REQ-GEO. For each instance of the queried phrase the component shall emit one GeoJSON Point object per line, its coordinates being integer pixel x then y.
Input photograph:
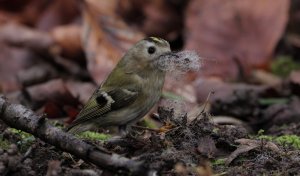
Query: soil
{"type": "Point", "coordinates": [182, 147]}
{"type": "Point", "coordinates": [54, 54]}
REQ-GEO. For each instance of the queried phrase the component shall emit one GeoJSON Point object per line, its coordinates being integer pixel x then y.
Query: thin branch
{"type": "Point", "coordinates": [21, 118]}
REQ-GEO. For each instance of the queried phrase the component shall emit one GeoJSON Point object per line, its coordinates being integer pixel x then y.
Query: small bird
{"type": "Point", "coordinates": [129, 92]}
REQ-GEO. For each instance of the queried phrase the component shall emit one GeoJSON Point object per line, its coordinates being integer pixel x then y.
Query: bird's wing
{"type": "Point", "coordinates": [105, 101]}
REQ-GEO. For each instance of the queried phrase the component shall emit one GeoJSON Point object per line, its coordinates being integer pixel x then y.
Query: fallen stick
{"type": "Point", "coordinates": [21, 118]}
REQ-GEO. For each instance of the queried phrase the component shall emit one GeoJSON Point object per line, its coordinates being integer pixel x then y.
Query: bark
{"type": "Point", "coordinates": [21, 118]}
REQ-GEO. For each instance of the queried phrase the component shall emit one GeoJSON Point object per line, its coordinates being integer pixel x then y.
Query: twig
{"type": "Point", "coordinates": [29, 151]}
{"type": "Point", "coordinates": [19, 117]}
{"type": "Point", "coordinates": [207, 101]}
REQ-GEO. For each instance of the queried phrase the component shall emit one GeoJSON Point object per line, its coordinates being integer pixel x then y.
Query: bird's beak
{"type": "Point", "coordinates": [173, 54]}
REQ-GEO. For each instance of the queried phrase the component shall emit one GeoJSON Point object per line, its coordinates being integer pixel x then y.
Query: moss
{"type": "Point", "coordinates": [94, 136]}
{"type": "Point", "coordinates": [287, 140]}
{"type": "Point", "coordinates": [272, 101]}
{"type": "Point", "coordinates": [260, 132]}
{"type": "Point", "coordinates": [148, 123]}
{"type": "Point", "coordinates": [266, 137]}
{"type": "Point", "coordinates": [260, 135]}
{"type": "Point", "coordinates": [21, 134]}
{"type": "Point", "coordinates": [4, 144]}
{"type": "Point", "coordinates": [216, 130]}
{"type": "Point", "coordinates": [26, 139]}
{"type": "Point", "coordinates": [57, 124]}
{"type": "Point", "coordinates": [284, 65]}
{"type": "Point", "coordinates": [219, 162]}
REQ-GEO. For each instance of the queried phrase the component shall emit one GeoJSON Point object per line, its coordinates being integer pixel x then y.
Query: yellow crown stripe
{"type": "Point", "coordinates": [157, 39]}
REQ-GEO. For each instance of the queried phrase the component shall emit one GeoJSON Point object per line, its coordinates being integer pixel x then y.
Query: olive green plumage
{"type": "Point", "coordinates": [129, 92]}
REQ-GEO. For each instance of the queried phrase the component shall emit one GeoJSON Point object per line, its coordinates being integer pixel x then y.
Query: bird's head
{"type": "Point", "coordinates": [144, 52]}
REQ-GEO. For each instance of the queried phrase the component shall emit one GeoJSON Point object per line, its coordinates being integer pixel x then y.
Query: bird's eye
{"type": "Point", "coordinates": [151, 50]}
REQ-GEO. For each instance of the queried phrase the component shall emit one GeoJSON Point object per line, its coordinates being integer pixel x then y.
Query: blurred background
{"type": "Point", "coordinates": [54, 53]}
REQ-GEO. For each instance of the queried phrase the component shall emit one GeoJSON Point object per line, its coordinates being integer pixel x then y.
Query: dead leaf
{"type": "Point", "coordinates": [13, 5]}
{"type": "Point", "coordinates": [20, 11]}
{"type": "Point", "coordinates": [279, 114]}
{"type": "Point", "coordinates": [105, 37]}
{"type": "Point", "coordinates": [82, 90]}
{"type": "Point", "coordinates": [36, 74]}
{"type": "Point", "coordinates": [204, 170]}
{"type": "Point", "coordinates": [54, 168]}
{"type": "Point", "coordinates": [58, 13]}
{"type": "Point", "coordinates": [180, 169]}
{"type": "Point", "coordinates": [266, 78]}
{"type": "Point", "coordinates": [294, 82]}
{"type": "Point", "coordinates": [13, 60]}
{"type": "Point", "coordinates": [222, 90]}
{"type": "Point", "coordinates": [227, 120]}
{"type": "Point", "coordinates": [6, 17]}
{"type": "Point", "coordinates": [19, 35]}
{"type": "Point", "coordinates": [161, 19]}
{"type": "Point", "coordinates": [166, 127]}
{"type": "Point", "coordinates": [52, 110]}
{"type": "Point", "coordinates": [247, 145]}
{"type": "Point", "coordinates": [55, 90]}
{"type": "Point", "coordinates": [68, 38]}
{"type": "Point", "coordinates": [155, 17]}
{"type": "Point", "coordinates": [207, 147]}
{"type": "Point", "coordinates": [236, 33]}
{"type": "Point", "coordinates": [293, 39]}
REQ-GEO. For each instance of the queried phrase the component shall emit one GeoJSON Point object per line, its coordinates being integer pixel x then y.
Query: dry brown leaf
{"type": "Point", "coordinates": [54, 168]}
{"type": "Point", "coordinates": [37, 73]}
{"type": "Point", "coordinates": [55, 97]}
{"type": "Point", "coordinates": [12, 60]}
{"type": "Point", "coordinates": [236, 33]}
{"type": "Point", "coordinates": [24, 12]}
{"type": "Point", "coordinates": [265, 78]}
{"type": "Point", "coordinates": [221, 89]}
{"type": "Point", "coordinates": [54, 90]}
{"type": "Point", "coordinates": [247, 145]}
{"type": "Point", "coordinates": [294, 82]}
{"type": "Point", "coordinates": [162, 19]}
{"type": "Point", "coordinates": [166, 127]}
{"type": "Point", "coordinates": [207, 147]}
{"type": "Point", "coordinates": [68, 38]}
{"type": "Point", "coordinates": [204, 170]}
{"type": "Point", "coordinates": [13, 5]}
{"type": "Point", "coordinates": [278, 114]}
{"type": "Point", "coordinates": [295, 77]}
{"type": "Point", "coordinates": [58, 13]}
{"type": "Point", "coordinates": [6, 17]}
{"type": "Point", "coordinates": [154, 17]}
{"type": "Point", "coordinates": [105, 37]}
{"type": "Point", "coordinates": [19, 35]}
{"type": "Point", "coordinates": [82, 90]}
{"type": "Point", "coordinates": [180, 169]}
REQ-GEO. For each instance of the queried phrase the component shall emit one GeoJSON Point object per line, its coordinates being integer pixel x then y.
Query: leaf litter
{"type": "Point", "coordinates": [181, 145]}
